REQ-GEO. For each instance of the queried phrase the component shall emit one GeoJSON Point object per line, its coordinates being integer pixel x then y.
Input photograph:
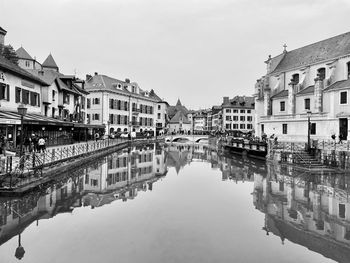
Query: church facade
{"type": "Point", "coordinates": [306, 90]}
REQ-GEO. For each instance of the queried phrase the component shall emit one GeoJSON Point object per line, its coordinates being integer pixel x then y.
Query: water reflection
{"type": "Point", "coordinates": [312, 210]}
{"type": "Point", "coordinates": [306, 209]}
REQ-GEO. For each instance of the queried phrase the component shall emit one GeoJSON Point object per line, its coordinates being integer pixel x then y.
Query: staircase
{"type": "Point", "coordinates": [307, 161]}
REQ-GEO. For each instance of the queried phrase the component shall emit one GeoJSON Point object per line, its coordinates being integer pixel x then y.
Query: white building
{"type": "Point", "coordinates": [313, 79]}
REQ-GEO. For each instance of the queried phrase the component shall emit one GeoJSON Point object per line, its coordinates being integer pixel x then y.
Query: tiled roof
{"type": "Point", "coordinates": [339, 85]}
{"type": "Point", "coordinates": [240, 102]}
{"type": "Point", "coordinates": [47, 75]}
{"type": "Point", "coordinates": [22, 53]}
{"type": "Point", "coordinates": [50, 62]}
{"type": "Point", "coordinates": [307, 90]}
{"type": "Point", "coordinates": [314, 53]}
{"type": "Point", "coordinates": [13, 68]}
{"type": "Point", "coordinates": [275, 61]}
{"type": "Point", "coordinates": [283, 93]}
{"type": "Point", "coordinates": [178, 116]}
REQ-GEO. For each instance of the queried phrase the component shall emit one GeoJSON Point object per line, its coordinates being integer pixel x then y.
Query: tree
{"type": "Point", "coordinates": [9, 53]}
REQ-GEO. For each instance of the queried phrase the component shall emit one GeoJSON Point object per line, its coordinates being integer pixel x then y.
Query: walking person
{"type": "Point", "coordinates": [97, 136]}
{"type": "Point", "coordinates": [41, 144]}
{"type": "Point", "coordinates": [340, 139]}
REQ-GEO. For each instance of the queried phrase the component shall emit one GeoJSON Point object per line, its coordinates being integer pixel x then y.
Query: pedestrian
{"type": "Point", "coordinates": [340, 139]}
{"type": "Point", "coordinates": [41, 144]}
{"type": "Point", "coordinates": [35, 143]}
{"type": "Point", "coordinates": [27, 144]}
{"type": "Point", "coordinates": [97, 136]}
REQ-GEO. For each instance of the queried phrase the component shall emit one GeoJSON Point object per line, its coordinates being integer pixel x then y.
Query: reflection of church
{"type": "Point", "coordinates": [117, 176]}
{"type": "Point", "coordinates": [310, 210]}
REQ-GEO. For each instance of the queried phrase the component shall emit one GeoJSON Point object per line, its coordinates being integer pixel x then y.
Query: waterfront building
{"type": "Point", "coordinates": [308, 82]}
{"type": "Point", "coordinates": [122, 106]}
{"type": "Point", "coordinates": [162, 117]}
{"type": "Point", "coordinates": [238, 114]}
{"type": "Point", "coordinates": [200, 121]}
{"type": "Point", "coordinates": [216, 118]}
{"type": "Point", "coordinates": [180, 119]}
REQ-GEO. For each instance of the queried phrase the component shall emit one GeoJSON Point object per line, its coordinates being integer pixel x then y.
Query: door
{"type": "Point", "coordinates": [343, 128]}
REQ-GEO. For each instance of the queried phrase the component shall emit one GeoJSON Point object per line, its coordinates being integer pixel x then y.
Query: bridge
{"type": "Point", "coordinates": [185, 138]}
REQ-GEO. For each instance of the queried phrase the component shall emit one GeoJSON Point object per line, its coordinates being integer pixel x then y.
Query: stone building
{"type": "Point", "coordinates": [122, 106]}
{"type": "Point", "coordinates": [312, 80]}
{"type": "Point", "coordinates": [238, 114]}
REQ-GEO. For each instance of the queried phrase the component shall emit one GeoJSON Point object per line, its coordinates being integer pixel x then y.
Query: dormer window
{"type": "Point", "coordinates": [321, 73]}
{"type": "Point", "coordinates": [295, 79]}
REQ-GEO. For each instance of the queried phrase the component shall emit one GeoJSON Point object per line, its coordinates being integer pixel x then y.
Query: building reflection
{"type": "Point", "coordinates": [312, 210]}
{"type": "Point", "coordinates": [118, 176]}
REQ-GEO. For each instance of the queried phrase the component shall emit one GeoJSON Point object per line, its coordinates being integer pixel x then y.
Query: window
{"type": "Point", "coordinates": [228, 111]}
{"type": "Point", "coordinates": [282, 106]}
{"type": "Point", "coordinates": [249, 118]}
{"type": "Point", "coordinates": [158, 116]}
{"type": "Point", "coordinates": [66, 98]}
{"type": "Point", "coordinates": [228, 118]}
{"type": "Point", "coordinates": [96, 101]}
{"type": "Point", "coordinates": [242, 118]}
{"type": "Point", "coordinates": [235, 111]}
{"type": "Point", "coordinates": [242, 111]}
{"type": "Point", "coordinates": [25, 96]}
{"type": "Point", "coordinates": [295, 79]}
{"type": "Point", "coordinates": [348, 66]}
{"type": "Point", "coordinates": [281, 186]}
{"type": "Point", "coordinates": [321, 73]}
{"type": "Point", "coordinates": [158, 107]}
{"type": "Point", "coordinates": [249, 111]}
{"type": "Point", "coordinates": [53, 95]}
{"type": "Point", "coordinates": [27, 64]}
{"type": "Point", "coordinates": [342, 210]}
{"type": "Point", "coordinates": [95, 116]}
{"type": "Point", "coordinates": [234, 126]}
{"type": "Point", "coordinates": [307, 104]}
{"type": "Point", "coordinates": [88, 103]}
{"type": "Point", "coordinates": [4, 92]}
{"type": "Point", "coordinates": [18, 94]}
{"type": "Point", "coordinates": [284, 128]}
{"type": "Point", "coordinates": [262, 128]}
{"type": "Point", "coordinates": [313, 128]}
{"type": "Point", "coordinates": [249, 126]}
{"type": "Point", "coordinates": [235, 118]}
{"type": "Point", "coordinates": [228, 126]}
{"type": "Point", "coordinates": [343, 97]}
{"type": "Point", "coordinates": [242, 126]}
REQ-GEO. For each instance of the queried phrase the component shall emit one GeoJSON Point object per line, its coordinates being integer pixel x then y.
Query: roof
{"type": "Point", "coordinates": [339, 85]}
{"type": "Point", "coordinates": [314, 53]}
{"type": "Point", "coordinates": [49, 62]}
{"type": "Point", "coordinates": [307, 90]}
{"type": "Point", "coordinates": [240, 102]}
{"type": "Point", "coordinates": [178, 117]}
{"type": "Point", "coordinates": [281, 94]}
{"type": "Point", "coordinates": [47, 75]}
{"type": "Point", "coordinates": [22, 53]}
{"type": "Point", "coordinates": [15, 69]}
{"type": "Point", "coordinates": [3, 31]}
{"type": "Point", "coordinates": [275, 61]}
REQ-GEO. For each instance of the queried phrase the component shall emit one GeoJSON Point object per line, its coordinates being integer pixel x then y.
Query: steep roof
{"type": "Point", "coordinates": [178, 103]}
{"type": "Point", "coordinates": [240, 102]}
{"type": "Point", "coordinates": [178, 117]}
{"type": "Point", "coordinates": [314, 53]}
{"type": "Point", "coordinates": [50, 62]}
{"type": "Point", "coordinates": [22, 53]}
{"type": "Point", "coordinates": [15, 69]}
{"type": "Point", "coordinates": [46, 75]}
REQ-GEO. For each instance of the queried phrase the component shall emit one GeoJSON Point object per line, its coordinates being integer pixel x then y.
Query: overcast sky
{"type": "Point", "coordinates": [198, 51]}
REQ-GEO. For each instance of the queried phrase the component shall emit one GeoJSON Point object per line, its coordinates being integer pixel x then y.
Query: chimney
{"type": "Point", "coordinates": [2, 36]}
{"type": "Point", "coordinates": [88, 76]}
{"type": "Point", "coordinates": [226, 100]}
{"type": "Point", "coordinates": [127, 80]}
{"type": "Point", "coordinates": [96, 73]}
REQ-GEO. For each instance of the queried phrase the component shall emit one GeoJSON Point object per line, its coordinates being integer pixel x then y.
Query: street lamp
{"type": "Point", "coordinates": [22, 110]}
{"type": "Point", "coordinates": [308, 113]}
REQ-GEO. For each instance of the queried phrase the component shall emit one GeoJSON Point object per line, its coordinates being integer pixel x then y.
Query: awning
{"type": "Point", "coordinates": [89, 126]}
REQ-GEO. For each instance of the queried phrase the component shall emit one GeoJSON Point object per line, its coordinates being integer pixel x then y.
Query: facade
{"type": "Point", "coordinates": [122, 106]}
{"type": "Point", "coordinates": [161, 116]}
{"type": "Point", "coordinates": [238, 114]}
{"type": "Point", "coordinates": [216, 118]}
{"type": "Point", "coordinates": [180, 119]}
{"type": "Point", "coordinates": [309, 81]}
{"type": "Point", "coordinates": [201, 121]}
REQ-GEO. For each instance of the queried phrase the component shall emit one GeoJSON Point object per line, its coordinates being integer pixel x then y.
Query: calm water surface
{"type": "Point", "coordinates": [179, 204]}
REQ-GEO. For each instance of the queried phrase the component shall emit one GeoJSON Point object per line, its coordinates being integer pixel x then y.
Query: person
{"type": "Point", "coordinates": [97, 136]}
{"type": "Point", "coordinates": [340, 139]}
{"type": "Point", "coordinates": [41, 144]}
{"type": "Point", "coordinates": [27, 144]}
{"type": "Point", "coordinates": [35, 143]}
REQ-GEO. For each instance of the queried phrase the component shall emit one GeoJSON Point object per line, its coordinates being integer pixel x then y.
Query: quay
{"type": "Point", "coordinates": [25, 174]}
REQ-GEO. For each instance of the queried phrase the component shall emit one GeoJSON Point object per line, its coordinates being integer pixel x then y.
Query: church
{"type": "Point", "coordinates": [305, 92]}
{"type": "Point", "coordinates": [180, 119]}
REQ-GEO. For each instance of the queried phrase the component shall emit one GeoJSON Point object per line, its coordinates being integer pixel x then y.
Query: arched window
{"type": "Point", "coordinates": [321, 73]}
{"type": "Point", "coordinates": [295, 79]}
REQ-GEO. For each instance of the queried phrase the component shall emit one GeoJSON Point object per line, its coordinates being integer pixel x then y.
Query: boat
{"type": "Point", "coordinates": [256, 149]}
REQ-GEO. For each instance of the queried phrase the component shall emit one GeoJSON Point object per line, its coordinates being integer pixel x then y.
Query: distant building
{"type": "Point", "coordinates": [238, 114]}
{"type": "Point", "coordinates": [180, 119]}
{"type": "Point", "coordinates": [216, 118]}
{"type": "Point", "coordinates": [314, 80]}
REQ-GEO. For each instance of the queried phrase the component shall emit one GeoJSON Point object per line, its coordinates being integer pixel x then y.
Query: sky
{"type": "Point", "coordinates": [195, 50]}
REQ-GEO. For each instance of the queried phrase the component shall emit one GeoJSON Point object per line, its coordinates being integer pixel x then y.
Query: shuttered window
{"type": "Point", "coordinates": [18, 94]}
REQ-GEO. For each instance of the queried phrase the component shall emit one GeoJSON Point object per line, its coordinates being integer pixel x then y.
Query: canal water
{"type": "Point", "coordinates": [179, 203]}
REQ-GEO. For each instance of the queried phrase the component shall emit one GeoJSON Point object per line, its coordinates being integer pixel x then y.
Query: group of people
{"type": "Point", "coordinates": [34, 143]}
